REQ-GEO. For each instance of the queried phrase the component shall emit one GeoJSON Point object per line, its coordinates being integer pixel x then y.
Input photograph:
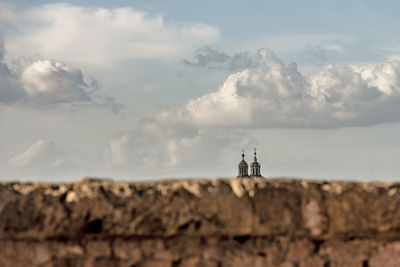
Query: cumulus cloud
{"type": "Point", "coordinates": [273, 94]}
{"type": "Point", "coordinates": [47, 83]}
{"type": "Point", "coordinates": [240, 60]}
{"type": "Point", "coordinates": [101, 36]}
{"type": "Point", "coordinates": [150, 152]}
{"type": "Point", "coordinates": [210, 58]}
{"type": "Point", "coordinates": [40, 154]}
{"type": "Point", "coordinates": [270, 94]}
{"type": "Point", "coordinates": [207, 148]}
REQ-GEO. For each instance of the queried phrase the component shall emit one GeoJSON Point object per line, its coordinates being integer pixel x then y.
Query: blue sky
{"type": "Point", "coordinates": [370, 25]}
{"type": "Point", "coordinates": [153, 89]}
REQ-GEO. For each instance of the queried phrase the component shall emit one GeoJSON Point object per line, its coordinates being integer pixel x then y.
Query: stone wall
{"type": "Point", "coordinates": [218, 222]}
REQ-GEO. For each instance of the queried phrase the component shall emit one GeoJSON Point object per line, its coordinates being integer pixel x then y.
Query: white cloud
{"type": "Point", "coordinates": [273, 94]}
{"type": "Point", "coordinates": [393, 57]}
{"type": "Point", "coordinates": [154, 153]}
{"type": "Point", "coordinates": [100, 35]}
{"type": "Point", "coordinates": [207, 148]}
{"type": "Point", "coordinates": [50, 82]}
{"type": "Point", "coordinates": [40, 154]}
{"type": "Point", "coordinates": [135, 150]}
{"type": "Point", "coordinates": [47, 83]}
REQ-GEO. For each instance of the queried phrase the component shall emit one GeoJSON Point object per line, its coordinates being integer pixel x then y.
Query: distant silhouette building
{"type": "Point", "coordinates": [243, 168]}
{"type": "Point", "coordinates": [255, 166]}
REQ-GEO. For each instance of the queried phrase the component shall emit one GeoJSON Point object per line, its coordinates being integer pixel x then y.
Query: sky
{"type": "Point", "coordinates": [142, 90]}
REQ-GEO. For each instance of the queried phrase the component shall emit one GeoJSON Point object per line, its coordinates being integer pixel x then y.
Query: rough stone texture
{"type": "Point", "coordinates": [218, 222]}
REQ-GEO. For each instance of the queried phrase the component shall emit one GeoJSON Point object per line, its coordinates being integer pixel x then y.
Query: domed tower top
{"type": "Point", "coordinates": [255, 166]}
{"type": "Point", "coordinates": [243, 168]}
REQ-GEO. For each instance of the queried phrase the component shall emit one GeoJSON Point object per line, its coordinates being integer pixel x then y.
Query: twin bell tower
{"type": "Point", "coordinates": [255, 168]}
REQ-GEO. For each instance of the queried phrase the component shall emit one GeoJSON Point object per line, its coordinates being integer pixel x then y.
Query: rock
{"type": "Point", "coordinates": [217, 222]}
{"type": "Point", "coordinates": [98, 249]}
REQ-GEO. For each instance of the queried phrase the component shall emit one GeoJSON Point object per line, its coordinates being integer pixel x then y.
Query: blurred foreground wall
{"type": "Point", "coordinates": [219, 222]}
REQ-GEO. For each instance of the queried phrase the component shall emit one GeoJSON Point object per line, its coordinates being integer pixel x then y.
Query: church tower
{"type": "Point", "coordinates": [255, 166]}
{"type": "Point", "coordinates": [243, 168]}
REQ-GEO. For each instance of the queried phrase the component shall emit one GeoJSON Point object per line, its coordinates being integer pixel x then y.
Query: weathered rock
{"type": "Point", "coordinates": [219, 222]}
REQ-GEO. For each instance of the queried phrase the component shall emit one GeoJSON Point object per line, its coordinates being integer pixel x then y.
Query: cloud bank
{"type": "Point", "coordinates": [275, 95]}
{"type": "Point", "coordinates": [47, 83]}
{"type": "Point", "coordinates": [101, 36]}
{"type": "Point", "coordinates": [147, 153]}
{"type": "Point", "coordinates": [210, 130]}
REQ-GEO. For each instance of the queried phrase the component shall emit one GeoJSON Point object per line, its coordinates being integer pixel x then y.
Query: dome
{"type": "Point", "coordinates": [243, 168]}
{"type": "Point", "coordinates": [255, 164]}
{"type": "Point", "coordinates": [243, 163]}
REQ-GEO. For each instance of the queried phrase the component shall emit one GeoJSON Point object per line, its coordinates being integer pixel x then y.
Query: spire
{"type": "Point", "coordinates": [255, 154]}
{"type": "Point", "coordinates": [242, 154]}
